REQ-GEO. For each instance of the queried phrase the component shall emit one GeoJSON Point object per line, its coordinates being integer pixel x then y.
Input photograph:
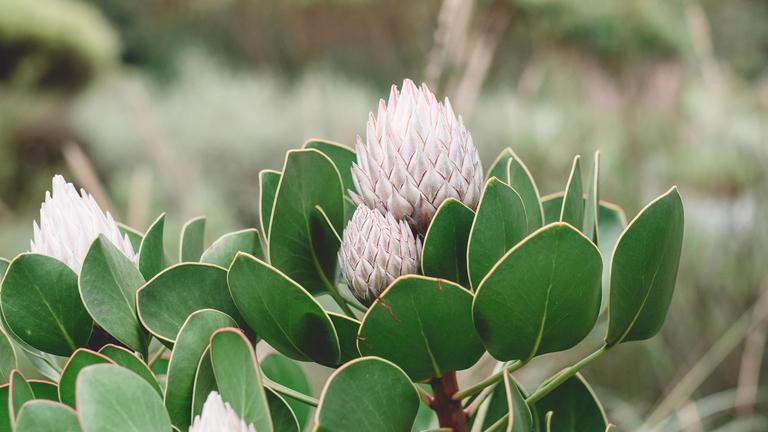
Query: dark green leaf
{"type": "Point", "coordinates": [79, 361]}
{"type": "Point", "coordinates": [7, 358]}
{"type": "Point", "coordinates": [151, 252]}
{"type": "Point", "coordinates": [190, 346]}
{"type": "Point", "coordinates": [592, 208]}
{"type": "Point", "coordinates": [205, 383]}
{"type": "Point", "coordinates": [44, 389]}
{"type": "Point", "coordinates": [122, 357]}
{"type": "Point", "coordinates": [574, 406]}
{"type": "Point", "coordinates": [367, 394]}
{"type": "Point", "coordinates": [108, 283]}
{"type": "Point", "coordinates": [5, 412]}
{"type": "Point", "coordinates": [572, 211]}
{"type": "Point", "coordinates": [42, 306]}
{"type": "Point", "coordinates": [342, 157]}
{"type": "Point", "coordinates": [44, 415]}
{"type": "Point", "coordinates": [499, 166]}
{"type": "Point", "coordinates": [281, 312]}
{"type": "Point", "coordinates": [346, 330]}
{"type": "Point", "coordinates": [238, 377]}
{"type": "Point", "coordinates": [268, 181]}
{"type": "Point", "coordinates": [192, 240]}
{"type": "Point", "coordinates": [644, 270]}
{"type": "Point", "coordinates": [166, 301]}
{"type": "Point", "coordinates": [521, 180]}
{"type": "Point", "coordinates": [223, 250]}
{"type": "Point", "coordinates": [309, 179]}
{"type": "Point", "coordinates": [19, 392]}
{"type": "Point", "coordinates": [407, 325]}
{"type": "Point", "coordinates": [283, 418]}
{"type": "Point", "coordinates": [444, 254]}
{"type": "Point", "coordinates": [110, 398]}
{"type": "Point", "coordinates": [519, 414]}
{"type": "Point", "coordinates": [543, 296]}
{"type": "Point", "coordinates": [499, 225]}
{"type": "Point", "coordinates": [285, 371]}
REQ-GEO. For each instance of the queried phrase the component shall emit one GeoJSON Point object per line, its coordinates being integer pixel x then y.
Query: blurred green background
{"type": "Point", "coordinates": [176, 105]}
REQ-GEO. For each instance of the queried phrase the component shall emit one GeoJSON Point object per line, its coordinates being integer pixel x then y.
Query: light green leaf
{"type": "Point", "coordinates": [342, 157]}
{"type": "Point", "coordinates": [7, 358]}
{"type": "Point", "coordinates": [574, 406]}
{"type": "Point", "coordinates": [122, 357]}
{"type": "Point", "coordinates": [499, 166]}
{"type": "Point", "coordinates": [520, 415]}
{"type": "Point", "coordinates": [192, 240]}
{"type": "Point", "coordinates": [224, 249]}
{"type": "Point", "coordinates": [44, 415]}
{"type": "Point", "coordinates": [592, 209]}
{"type": "Point", "coordinates": [77, 362]}
{"type": "Point", "coordinates": [19, 393]}
{"type": "Point", "coordinates": [572, 211]}
{"type": "Point", "coordinates": [521, 180]}
{"type": "Point", "coordinates": [151, 251]}
{"type": "Point", "coordinates": [268, 181]}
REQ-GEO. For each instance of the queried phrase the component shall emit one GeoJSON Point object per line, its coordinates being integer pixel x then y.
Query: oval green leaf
{"type": "Point", "coordinates": [268, 181]}
{"type": "Point", "coordinates": [346, 329]}
{"type": "Point", "coordinates": [499, 166]}
{"type": "Point", "coordinates": [151, 251]}
{"type": "Point", "coordinates": [407, 325]}
{"type": "Point", "coordinates": [367, 394]}
{"type": "Point", "coordinates": [283, 418]}
{"type": "Point", "coordinates": [205, 383]}
{"type": "Point", "coordinates": [520, 417]}
{"type": "Point", "coordinates": [444, 253]}
{"type": "Point", "coordinates": [192, 240]}
{"type": "Point", "coordinates": [111, 398]}
{"type": "Point", "coordinates": [574, 408]}
{"type": "Point", "coordinates": [543, 296]}
{"type": "Point", "coordinates": [281, 312]}
{"type": "Point", "coordinates": [190, 346]}
{"type": "Point", "coordinates": [108, 283]}
{"type": "Point", "coordinates": [342, 157]}
{"type": "Point", "coordinates": [43, 389]}
{"type": "Point", "coordinates": [521, 180]}
{"type": "Point", "coordinates": [309, 180]}
{"type": "Point", "coordinates": [42, 306]}
{"type": "Point", "coordinates": [224, 249]}
{"type": "Point", "coordinates": [591, 226]}
{"type": "Point", "coordinates": [7, 358]}
{"type": "Point", "coordinates": [44, 415]}
{"type": "Point", "coordinates": [238, 377]}
{"type": "Point", "coordinates": [81, 359]}
{"type": "Point", "coordinates": [499, 225]}
{"type": "Point", "coordinates": [165, 302]}
{"type": "Point", "coordinates": [286, 372]}
{"type": "Point", "coordinates": [19, 392]}
{"type": "Point", "coordinates": [5, 408]}
{"type": "Point", "coordinates": [122, 357]}
{"type": "Point", "coordinates": [644, 270]}
{"type": "Point", "coordinates": [572, 211]}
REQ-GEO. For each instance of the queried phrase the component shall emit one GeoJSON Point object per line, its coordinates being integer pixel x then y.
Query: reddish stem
{"type": "Point", "coordinates": [449, 412]}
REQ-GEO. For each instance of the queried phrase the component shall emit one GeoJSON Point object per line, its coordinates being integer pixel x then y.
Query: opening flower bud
{"type": "Point", "coordinates": [416, 155]}
{"type": "Point", "coordinates": [376, 250]}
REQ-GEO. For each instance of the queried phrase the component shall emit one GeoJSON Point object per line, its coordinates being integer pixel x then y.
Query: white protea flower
{"type": "Point", "coordinates": [416, 155]}
{"type": "Point", "coordinates": [70, 222]}
{"type": "Point", "coordinates": [375, 250]}
{"type": "Point", "coordinates": [218, 416]}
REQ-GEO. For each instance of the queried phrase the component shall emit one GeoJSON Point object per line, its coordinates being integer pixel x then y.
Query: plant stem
{"type": "Point", "coordinates": [493, 379]}
{"type": "Point", "coordinates": [291, 393]}
{"type": "Point", "coordinates": [334, 291]}
{"type": "Point", "coordinates": [450, 413]}
{"type": "Point", "coordinates": [563, 376]}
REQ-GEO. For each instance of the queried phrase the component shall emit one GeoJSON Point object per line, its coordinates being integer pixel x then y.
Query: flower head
{"type": "Point", "coordinates": [416, 155]}
{"type": "Point", "coordinates": [218, 416]}
{"type": "Point", "coordinates": [70, 222]}
{"type": "Point", "coordinates": [375, 250]}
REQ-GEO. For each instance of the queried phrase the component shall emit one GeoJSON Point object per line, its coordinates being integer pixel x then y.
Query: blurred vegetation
{"type": "Point", "coordinates": [178, 104]}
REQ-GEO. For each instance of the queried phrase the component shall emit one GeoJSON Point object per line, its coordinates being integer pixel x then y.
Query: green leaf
{"type": "Point", "coordinates": [192, 240]}
{"type": "Point", "coordinates": [497, 406]}
{"type": "Point", "coordinates": [5, 408]}
{"type": "Point", "coordinates": [444, 254]}
{"type": "Point", "coordinates": [644, 270]}
{"type": "Point", "coordinates": [283, 418]}
{"type": "Point", "coordinates": [367, 394]}
{"type": "Point", "coordinates": [166, 301]}
{"type": "Point", "coordinates": [7, 358]}
{"type": "Point", "coordinates": [521, 180]}
{"type": "Point", "coordinates": [519, 414]}
{"type": "Point", "coordinates": [342, 157]}
{"type": "Point", "coordinates": [205, 383]}
{"type": "Point", "coordinates": [79, 361]}
{"type": "Point", "coordinates": [499, 166]}
{"type": "Point", "coordinates": [499, 225]}
{"type": "Point", "coordinates": [309, 179]}
{"type": "Point", "coordinates": [612, 222]}
{"type": "Point", "coordinates": [134, 236]}
{"type": "Point", "coordinates": [572, 211]}
{"type": "Point", "coordinates": [542, 296]}
{"type": "Point", "coordinates": [281, 312]}
{"type": "Point", "coordinates": [574, 406]}
{"type": "Point", "coordinates": [19, 392]}
{"type": "Point", "coordinates": [223, 250]}
{"type": "Point", "coordinates": [110, 398]}
{"type": "Point", "coordinates": [592, 208]}
{"type": "Point", "coordinates": [122, 357]}
{"type": "Point", "coordinates": [42, 306]}
{"type": "Point", "coordinates": [285, 371]}
{"type": "Point", "coordinates": [44, 389]}
{"type": "Point", "coordinates": [346, 329]}
{"type": "Point", "coordinates": [44, 415]}
{"type": "Point", "coordinates": [238, 377]}
{"type": "Point", "coordinates": [151, 251]}
{"type": "Point", "coordinates": [108, 283]}
{"type": "Point", "coordinates": [190, 346]}
{"type": "Point", "coordinates": [268, 181]}
{"type": "Point", "coordinates": [408, 325]}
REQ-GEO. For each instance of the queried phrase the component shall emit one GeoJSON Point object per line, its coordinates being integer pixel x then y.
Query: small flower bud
{"type": "Point", "coordinates": [376, 250]}
{"type": "Point", "coordinates": [218, 416]}
{"type": "Point", "coordinates": [416, 155]}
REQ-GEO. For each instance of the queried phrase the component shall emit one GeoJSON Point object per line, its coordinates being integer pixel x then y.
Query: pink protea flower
{"type": "Point", "coordinates": [375, 250]}
{"type": "Point", "coordinates": [416, 155]}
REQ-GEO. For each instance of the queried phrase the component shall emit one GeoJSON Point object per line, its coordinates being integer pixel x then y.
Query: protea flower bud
{"type": "Point", "coordinates": [218, 416]}
{"type": "Point", "coordinates": [70, 222]}
{"type": "Point", "coordinates": [375, 250]}
{"type": "Point", "coordinates": [417, 154]}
